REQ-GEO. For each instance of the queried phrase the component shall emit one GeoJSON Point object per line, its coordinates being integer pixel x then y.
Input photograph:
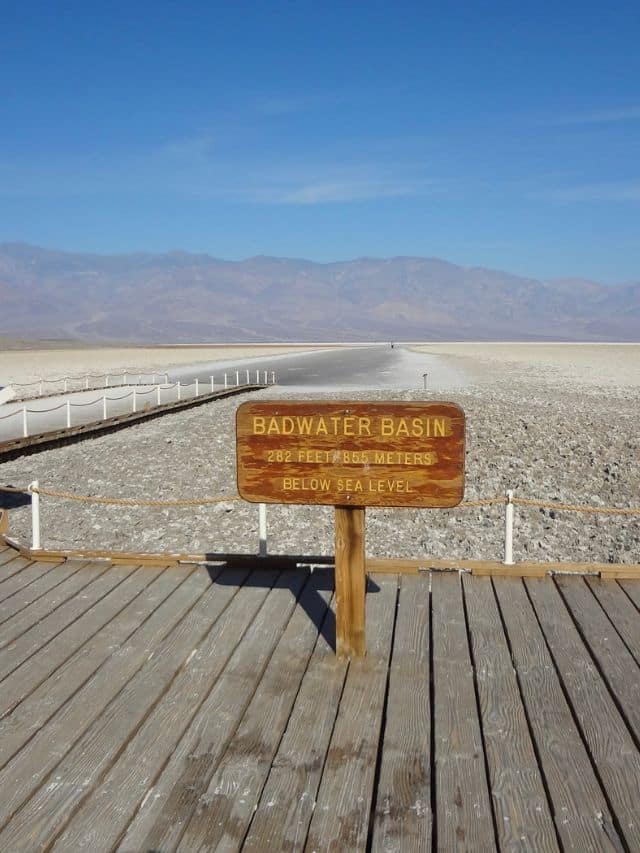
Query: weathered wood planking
{"type": "Point", "coordinates": [621, 611]}
{"type": "Point", "coordinates": [602, 727]}
{"type": "Point", "coordinates": [403, 819]}
{"type": "Point", "coordinates": [346, 453]}
{"type": "Point", "coordinates": [616, 663]}
{"type": "Point", "coordinates": [463, 805]}
{"type": "Point", "coordinates": [46, 579]}
{"type": "Point", "coordinates": [35, 626]}
{"type": "Point", "coordinates": [21, 573]}
{"type": "Point", "coordinates": [26, 770]}
{"type": "Point", "coordinates": [342, 812]}
{"type": "Point", "coordinates": [523, 816]}
{"type": "Point", "coordinates": [64, 596]}
{"type": "Point", "coordinates": [222, 818]}
{"type": "Point", "coordinates": [103, 817]}
{"type": "Point", "coordinates": [282, 819]}
{"type": "Point", "coordinates": [582, 817]}
{"type": "Point", "coordinates": [166, 811]}
{"type": "Point", "coordinates": [48, 810]}
{"type": "Point", "coordinates": [101, 626]}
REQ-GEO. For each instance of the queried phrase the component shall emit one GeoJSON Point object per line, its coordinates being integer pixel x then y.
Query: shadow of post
{"type": "Point", "coordinates": [225, 569]}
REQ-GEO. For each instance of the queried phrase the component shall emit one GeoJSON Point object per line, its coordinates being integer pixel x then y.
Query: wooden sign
{"type": "Point", "coordinates": [351, 453]}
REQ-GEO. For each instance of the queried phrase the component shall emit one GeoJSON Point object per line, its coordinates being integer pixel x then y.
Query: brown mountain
{"type": "Point", "coordinates": [180, 297]}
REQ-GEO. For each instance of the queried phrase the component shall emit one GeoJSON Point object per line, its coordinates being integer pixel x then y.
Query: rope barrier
{"type": "Point", "coordinates": [577, 507]}
{"type": "Point", "coordinates": [480, 502]}
{"type": "Point", "coordinates": [136, 501]}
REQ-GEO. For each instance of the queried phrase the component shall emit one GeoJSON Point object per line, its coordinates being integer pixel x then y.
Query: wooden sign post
{"type": "Point", "coordinates": [351, 455]}
{"type": "Point", "coordinates": [351, 582]}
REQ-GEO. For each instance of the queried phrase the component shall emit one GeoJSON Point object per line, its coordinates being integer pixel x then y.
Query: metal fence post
{"type": "Point", "coordinates": [35, 515]}
{"type": "Point", "coordinates": [225, 380]}
{"type": "Point", "coordinates": [158, 392]}
{"type": "Point", "coordinates": [196, 386]}
{"type": "Point", "coordinates": [262, 526]}
{"type": "Point", "coordinates": [104, 407]}
{"type": "Point", "coordinates": [68, 414]}
{"type": "Point", "coordinates": [248, 380]}
{"type": "Point", "coordinates": [212, 384]}
{"type": "Point", "coordinates": [237, 377]}
{"type": "Point", "coordinates": [25, 430]}
{"type": "Point", "coordinates": [508, 530]}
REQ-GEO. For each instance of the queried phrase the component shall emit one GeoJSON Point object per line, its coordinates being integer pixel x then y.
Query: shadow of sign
{"type": "Point", "coordinates": [230, 569]}
{"type": "Point", "coordinates": [14, 500]}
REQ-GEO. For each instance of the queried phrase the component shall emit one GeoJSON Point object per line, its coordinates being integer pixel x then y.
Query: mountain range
{"type": "Point", "coordinates": [178, 297]}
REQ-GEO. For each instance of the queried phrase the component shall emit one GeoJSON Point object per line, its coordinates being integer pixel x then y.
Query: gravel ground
{"type": "Point", "coordinates": [563, 443]}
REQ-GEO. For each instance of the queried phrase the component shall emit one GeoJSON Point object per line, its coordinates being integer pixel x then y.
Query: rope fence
{"type": "Point", "coordinates": [35, 490]}
{"type": "Point", "coordinates": [132, 375]}
{"type": "Point", "coordinates": [265, 377]}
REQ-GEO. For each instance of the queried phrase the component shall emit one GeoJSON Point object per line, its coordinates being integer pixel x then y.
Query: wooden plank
{"type": "Point", "coordinates": [222, 818]}
{"type": "Point", "coordinates": [403, 819]}
{"type": "Point", "coordinates": [615, 661]}
{"type": "Point", "coordinates": [283, 815]}
{"type": "Point", "coordinates": [46, 814]}
{"type": "Point", "coordinates": [523, 817]}
{"type": "Point", "coordinates": [463, 805]}
{"type": "Point", "coordinates": [632, 590]}
{"type": "Point", "coordinates": [582, 817]}
{"type": "Point", "coordinates": [48, 810]}
{"type": "Point", "coordinates": [168, 806]}
{"type": "Point", "coordinates": [603, 729]}
{"type": "Point", "coordinates": [11, 568]}
{"type": "Point", "coordinates": [351, 581]}
{"type": "Point", "coordinates": [37, 692]}
{"type": "Point", "coordinates": [44, 582]}
{"type": "Point", "coordinates": [24, 576]}
{"type": "Point", "coordinates": [28, 768]}
{"type": "Point", "coordinates": [621, 611]}
{"type": "Point", "coordinates": [127, 585]}
{"type": "Point", "coordinates": [343, 808]}
{"type": "Point", "coordinates": [103, 818]}
{"type": "Point", "coordinates": [8, 553]}
{"type": "Point", "coordinates": [26, 634]}
{"type": "Point", "coordinates": [527, 568]}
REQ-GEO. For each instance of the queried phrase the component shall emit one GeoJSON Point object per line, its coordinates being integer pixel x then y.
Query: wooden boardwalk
{"type": "Point", "coordinates": [202, 708]}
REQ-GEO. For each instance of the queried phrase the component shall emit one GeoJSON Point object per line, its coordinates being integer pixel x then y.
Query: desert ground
{"type": "Point", "coordinates": [552, 422]}
{"type": "Point", "coordinates": [28, 362]}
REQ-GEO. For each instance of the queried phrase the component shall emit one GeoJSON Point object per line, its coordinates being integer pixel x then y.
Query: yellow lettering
{"type": "Point", "coordinates": [259, 426]}
{"type": "Point", "coordinates": [417, 429]}
{"type": "Point", "coordinates": [386, 426]}
{"type": "Point", "coordinates": [364, 426]}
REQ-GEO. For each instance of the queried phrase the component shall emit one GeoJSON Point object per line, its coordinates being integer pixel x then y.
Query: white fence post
{"type": "Point", "coordinates": [106, 380]}
{"type": "Point", "coordinates": [166, 379]}
{"type": "Point", "coordinates": [68, 414]}
{"type": "Point", "coordinates": [237, 377]}
{"type": "Point", "coordinates": [212, 383]}
{"type": "Point", "coordinates": [124, 378]}
{"type": "Point", "coordinates": [41, 388]}
{"type": "Point", "coordinates": [66, 384]}
{"type": "Point", "coordinates": [104, 407]}
{"type": "Point", "coordinates": [225, 380]}
{"type": "Point", "coordinates": [197, 386]}
{"type": "Point", "coordinates": [35, 515]}
{"type": "Point", "coordinates": [25, 430]}
{"type": "Point", "coordinates": [158, 392]}
{"type": "Point", "coordinates": [248, 380]}
{"type": "Point", "coordinates": [262, 526]}
{"type": "Point", "coordinates": [508, 530]}
{"type": "Point", "coordinates": [178, 389]}
{"type": "Point", "coordinates": [134, 399]}
{"type": "Point", "coordinates": [273, 377]}
{"type": "Point", "coordinates": [86, 381]}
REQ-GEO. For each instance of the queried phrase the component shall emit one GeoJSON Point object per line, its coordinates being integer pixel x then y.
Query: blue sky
{"type": "Point", "coordinates": [496, 134]}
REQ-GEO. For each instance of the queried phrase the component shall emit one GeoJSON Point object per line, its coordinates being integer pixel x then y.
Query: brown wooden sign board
{"type": "Point", "coordinates": [344, 453]}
